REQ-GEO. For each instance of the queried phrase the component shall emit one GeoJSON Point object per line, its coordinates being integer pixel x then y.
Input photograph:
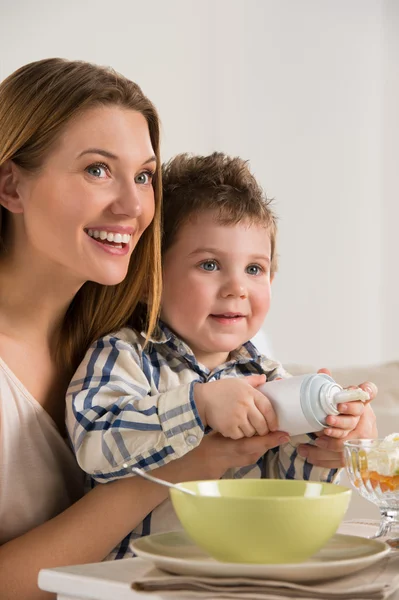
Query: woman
{"type": "Point", "coordinates": [79, 148]}
{"type": "Point", "coordinates": [79, 245]}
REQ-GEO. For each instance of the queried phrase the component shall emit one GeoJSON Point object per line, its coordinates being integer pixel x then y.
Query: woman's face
{"type": "Point", "coordinates": [86, 208]}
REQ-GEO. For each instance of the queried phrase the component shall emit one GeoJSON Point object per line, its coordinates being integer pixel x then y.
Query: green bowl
{"type": "Point", "coordinates": [261, 520]}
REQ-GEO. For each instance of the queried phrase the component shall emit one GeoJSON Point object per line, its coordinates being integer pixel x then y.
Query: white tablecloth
{"type": "Point", "coordinates": [112, 580]}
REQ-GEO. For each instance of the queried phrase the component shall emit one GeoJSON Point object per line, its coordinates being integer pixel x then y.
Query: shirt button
{"type": "Point", "coordinates": [191, 439]}
{"type": "Point", "coordinates": [181, 349]}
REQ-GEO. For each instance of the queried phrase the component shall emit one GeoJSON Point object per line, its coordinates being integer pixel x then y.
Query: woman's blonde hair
{"type": "Point", "coordinates": [36, 103]}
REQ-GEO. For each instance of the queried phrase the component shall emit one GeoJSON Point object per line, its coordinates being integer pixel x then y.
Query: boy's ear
{"type": "Point", "coordinates": [9, 196]}
{"type": "Point", "coordinates": [272, 277]}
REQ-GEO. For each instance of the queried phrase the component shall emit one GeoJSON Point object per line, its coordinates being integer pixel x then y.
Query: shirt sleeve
{"type": "Point", "coordinates": [117, 419]}
{"type": "Point", "coordinates": [284, 462]}
{"type": "Point", "coordinates": [274, 370]}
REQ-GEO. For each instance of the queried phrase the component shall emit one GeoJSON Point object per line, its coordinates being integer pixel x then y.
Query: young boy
{"type": "Point", "coordinates": [140, 402]}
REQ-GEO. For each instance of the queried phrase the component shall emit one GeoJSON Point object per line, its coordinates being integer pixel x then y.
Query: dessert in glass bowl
{"type": "Point", "coordinates": [373, 469]}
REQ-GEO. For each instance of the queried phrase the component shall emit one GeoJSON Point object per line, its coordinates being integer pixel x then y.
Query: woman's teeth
{"type": "Point", "coordinates": [109, 236]}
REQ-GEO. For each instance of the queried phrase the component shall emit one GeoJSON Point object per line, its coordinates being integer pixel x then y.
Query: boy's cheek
{"type": "Point", "coordinates": [262, 306]}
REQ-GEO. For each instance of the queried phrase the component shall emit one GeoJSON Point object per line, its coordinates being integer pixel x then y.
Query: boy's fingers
{"type": "Point", "coordinates": [324, 370]}
{"type": "Point", "coordinates": [255, 380]}
{"type": "Point", "coordinates": [370, 388]}
{"type": "Point", "coordinates": [234, 435]}
{"type": "Point", "coordinates": [356, 409]}
{"type": "Point", "coordinates": [337, 434]}
{"type": "Point", "coordinates": [247, 429]}
{"type": "Point", "coordinates": [263, 404]}
{"type": "Point", "coordinates": [258, 421]}
{"type": "Point", "coordinates": [341, 422]}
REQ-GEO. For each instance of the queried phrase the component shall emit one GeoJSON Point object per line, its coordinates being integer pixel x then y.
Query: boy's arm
{"type": "Point", "coordinates": [112, 417]}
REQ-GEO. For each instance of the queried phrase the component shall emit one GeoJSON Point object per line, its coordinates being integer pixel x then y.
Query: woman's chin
{"type": "Point", "coordinates": [110, 277]}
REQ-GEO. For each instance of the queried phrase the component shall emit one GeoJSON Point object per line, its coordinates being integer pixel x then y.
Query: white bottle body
{"type": "Point", "coordinates": [302, 403]}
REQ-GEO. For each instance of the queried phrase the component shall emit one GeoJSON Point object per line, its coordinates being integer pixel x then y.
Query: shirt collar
{"type": "Point", "coordinates": [245, 353]}
{"type": "Point", "coordinates": [163, 335]}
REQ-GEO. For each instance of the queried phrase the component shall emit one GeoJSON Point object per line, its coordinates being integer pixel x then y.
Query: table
{"type": "Point", "coordinates": [111, 580]}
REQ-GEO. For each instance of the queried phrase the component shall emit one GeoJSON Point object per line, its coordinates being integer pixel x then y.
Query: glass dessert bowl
{"type": "Point", "coordinates": [373, 469]}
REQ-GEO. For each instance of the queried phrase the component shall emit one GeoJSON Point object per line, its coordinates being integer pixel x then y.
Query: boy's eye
{"type": "Point", "coordinates": [98, 170]}
{"type": "Point", "coordinates": [254, 270]}
{"type": "Point", "coordinates": [144, 178]}
{"type": "Point", "coordinates": [209, 265]}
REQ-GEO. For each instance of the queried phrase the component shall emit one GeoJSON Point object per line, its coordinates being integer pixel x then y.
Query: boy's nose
{"type": "Point", "coordinates": [234, 289]}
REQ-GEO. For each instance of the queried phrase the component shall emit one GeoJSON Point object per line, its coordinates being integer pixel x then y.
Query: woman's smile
{"type": "Point", "coordinates": [115, 240]}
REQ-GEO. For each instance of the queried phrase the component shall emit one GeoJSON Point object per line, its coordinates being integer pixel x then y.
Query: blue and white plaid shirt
{"type": "Point", "coordinates": [133, 405]}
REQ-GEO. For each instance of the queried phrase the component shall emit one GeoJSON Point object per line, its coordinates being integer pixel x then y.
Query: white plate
{"type": "Point", "coordinates": [343, 554]}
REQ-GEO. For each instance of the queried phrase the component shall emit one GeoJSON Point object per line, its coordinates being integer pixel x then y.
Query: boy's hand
{"type": "Point", "coordinates": [350, 412]}
{"type": "Point", "coordinates": [235, 408]}
{"type": "Point", "coordinates": [328, 452]}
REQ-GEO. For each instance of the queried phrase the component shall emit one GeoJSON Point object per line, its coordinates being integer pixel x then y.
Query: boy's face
{"type": "Point", "coordinates": [216, 291]}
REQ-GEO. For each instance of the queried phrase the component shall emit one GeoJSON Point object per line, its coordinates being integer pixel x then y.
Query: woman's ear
{"type": "Point", "coordinates": [9, 196]}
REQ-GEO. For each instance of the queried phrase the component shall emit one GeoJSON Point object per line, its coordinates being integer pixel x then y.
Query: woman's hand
{"type": "Point", "coordinates": [327, 451]}
{"type": "Point", "coordinates": [216, 454]}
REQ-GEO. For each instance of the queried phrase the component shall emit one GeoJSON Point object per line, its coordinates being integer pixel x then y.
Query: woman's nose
{"type": "Point", "coordinates": [128, 203]}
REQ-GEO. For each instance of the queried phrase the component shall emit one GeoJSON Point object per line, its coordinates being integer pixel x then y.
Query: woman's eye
{"type": "Point", "coordinates": [144, 178]}
{"type": "Point", "coordinates": [98, 170]}
{"type": "Point", "coordinates": [209, 265]}
{"type": "Point", "coordinates": [254, 270]}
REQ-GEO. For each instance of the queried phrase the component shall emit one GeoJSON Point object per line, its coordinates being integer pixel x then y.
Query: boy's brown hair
{"type": "Point", "coordinates": [218, 183]}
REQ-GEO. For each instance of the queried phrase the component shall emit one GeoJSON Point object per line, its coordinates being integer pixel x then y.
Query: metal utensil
{"type": "Point", "coordinates": [145, 475]}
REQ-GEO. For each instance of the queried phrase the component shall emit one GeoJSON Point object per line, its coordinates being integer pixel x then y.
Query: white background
{"type": "Point", "coordinates": [308, 91]}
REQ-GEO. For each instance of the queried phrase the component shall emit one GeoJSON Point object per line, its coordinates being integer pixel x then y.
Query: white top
{"type": "Point", "coordinates": [39, 476]}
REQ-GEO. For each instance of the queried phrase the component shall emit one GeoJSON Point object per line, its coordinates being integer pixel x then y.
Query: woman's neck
{"type": "Point", "coordinates": [33, 299]}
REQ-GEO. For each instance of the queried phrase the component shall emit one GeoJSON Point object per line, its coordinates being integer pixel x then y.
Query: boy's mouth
{"type": "Point", "coordinates": [226, 317]}
{"type": "Point", "coordinates": [109, 238]}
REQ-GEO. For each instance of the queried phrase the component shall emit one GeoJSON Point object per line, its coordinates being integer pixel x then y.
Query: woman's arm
{"type": "Point", "coordinates": [87, 531]}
